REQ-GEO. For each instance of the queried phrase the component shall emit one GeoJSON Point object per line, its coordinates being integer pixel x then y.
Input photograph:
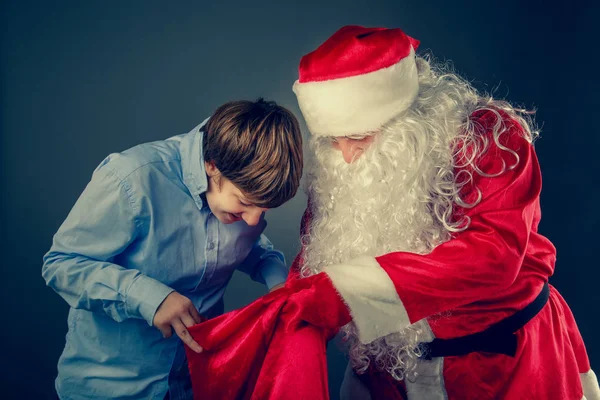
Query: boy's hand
{"type": "Point", "coordinates": [177, 313]}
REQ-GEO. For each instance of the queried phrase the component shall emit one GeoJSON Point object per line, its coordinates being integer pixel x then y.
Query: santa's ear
{"type": "Point", "coordinates": [211, 169]}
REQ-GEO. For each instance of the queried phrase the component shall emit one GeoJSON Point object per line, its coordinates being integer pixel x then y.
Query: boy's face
{"type": "Point", "coordinates": [227, 202]}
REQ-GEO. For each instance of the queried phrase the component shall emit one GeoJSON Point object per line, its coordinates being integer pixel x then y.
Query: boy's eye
{"type": "Point", "coordinates": [245, 204]}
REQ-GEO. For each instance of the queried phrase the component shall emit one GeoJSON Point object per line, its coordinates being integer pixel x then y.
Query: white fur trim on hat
{"type": "Point", "coordinates": [358, 104]}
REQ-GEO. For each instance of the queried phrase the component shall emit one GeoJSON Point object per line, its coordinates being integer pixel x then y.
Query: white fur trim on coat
{"type": "Point", "coordinates": [590, 386]}
{"type": "Point", "coordinates": [429, 382]}
{"type": "Point", "coordinates": [358, 104]}
{"type": "Point", "coordinates": [371, 297]}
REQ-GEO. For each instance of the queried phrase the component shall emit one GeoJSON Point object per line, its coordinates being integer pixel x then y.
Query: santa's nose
{"type": "Point", "coordinates": [351, 148]}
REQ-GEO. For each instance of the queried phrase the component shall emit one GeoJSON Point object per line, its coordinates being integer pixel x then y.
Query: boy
{"type": "Point", "coordinates": [153, 240]}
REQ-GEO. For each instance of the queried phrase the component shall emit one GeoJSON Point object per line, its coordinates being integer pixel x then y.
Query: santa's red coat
{"type": "Point", "coordinates": [482, 275]}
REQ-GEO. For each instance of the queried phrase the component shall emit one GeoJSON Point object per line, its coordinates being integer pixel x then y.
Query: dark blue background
{"type": "Point", "coordinates": [82, 79]}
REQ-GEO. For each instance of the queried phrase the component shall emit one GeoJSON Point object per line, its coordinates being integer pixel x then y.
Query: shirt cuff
{"type": "Point", "coordinates": [273, 271]}
{"type": "Point", "coordinates": [144, 297]}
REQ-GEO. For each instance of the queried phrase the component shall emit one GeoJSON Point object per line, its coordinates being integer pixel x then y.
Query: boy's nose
{"type": "Point", "coordinates": [252, 217]}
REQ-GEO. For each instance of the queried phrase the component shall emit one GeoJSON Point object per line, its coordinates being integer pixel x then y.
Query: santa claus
{"type": "Point", "coordinates": [420, 242]}
{"type": "Point", "coordinates": [423, 216]}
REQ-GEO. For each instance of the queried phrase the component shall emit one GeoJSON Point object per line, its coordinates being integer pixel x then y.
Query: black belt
{"type": "Point", "coordinates": [499, 338]}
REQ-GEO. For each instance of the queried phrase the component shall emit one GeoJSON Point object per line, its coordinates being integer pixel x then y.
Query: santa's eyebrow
{"type": "Point", "coordinates": [358, 136]}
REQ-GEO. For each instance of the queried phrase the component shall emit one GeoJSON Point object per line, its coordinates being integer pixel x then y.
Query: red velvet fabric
{"type": "Point", "coordinates": [355, 50]}
{"type": "Point", "coordinates": [489, 271]}
{"type": "Point", "coordinates": [500, 257]}
{"type": "Point", "coordinates": [273, 348]}
{"type": "Point", "coordinates": [382, 386]}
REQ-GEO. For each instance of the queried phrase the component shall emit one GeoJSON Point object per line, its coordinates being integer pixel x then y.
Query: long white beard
{"type": "Point", "coordinates": [369, 207]}
{"type": "Point", "coordinates": [374, 206]}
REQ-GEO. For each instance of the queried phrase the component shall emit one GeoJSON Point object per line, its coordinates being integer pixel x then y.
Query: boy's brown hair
{"type": "Point", "coordinates": [258, 147]}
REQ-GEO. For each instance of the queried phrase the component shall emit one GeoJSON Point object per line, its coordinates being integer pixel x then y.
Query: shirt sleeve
{"type": "Point", "coordinates": [264, 264]}
{"type": "Point", "coordinates": [80, 266]}
{"type": "Point", "coordinates": [385, 294]}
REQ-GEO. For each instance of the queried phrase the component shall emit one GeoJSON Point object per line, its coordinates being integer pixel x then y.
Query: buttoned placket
{"type": "Point", "coordinates": [212, 247]}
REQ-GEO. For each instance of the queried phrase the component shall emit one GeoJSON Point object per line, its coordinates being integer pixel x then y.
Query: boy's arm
{"type": "Point", "coordinates": [80, 264]}
{"type": "Point", "coordinates": [265, 264]}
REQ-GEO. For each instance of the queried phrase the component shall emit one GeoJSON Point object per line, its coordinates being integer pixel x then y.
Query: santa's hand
{"type": "Point", "coordinates": [177, 313]}
{"type": "Point", "coordinates": [316, 301]}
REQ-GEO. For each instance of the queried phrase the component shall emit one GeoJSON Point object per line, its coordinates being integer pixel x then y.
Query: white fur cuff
{"type": "Point", "coordinates": [371, 296]}
{"type": "Point", "coordinates": [590, 386]}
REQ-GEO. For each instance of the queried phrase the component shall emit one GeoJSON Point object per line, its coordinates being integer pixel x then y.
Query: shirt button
{"type": "Point", "coordinates": [211, 245]}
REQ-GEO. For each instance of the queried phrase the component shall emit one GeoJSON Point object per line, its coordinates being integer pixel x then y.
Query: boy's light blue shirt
{"type": "Point", "coordinates": [140, 230]}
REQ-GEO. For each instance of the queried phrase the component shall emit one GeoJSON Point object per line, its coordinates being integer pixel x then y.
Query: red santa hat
{"type": "Point", "coordinates": [356, 81]}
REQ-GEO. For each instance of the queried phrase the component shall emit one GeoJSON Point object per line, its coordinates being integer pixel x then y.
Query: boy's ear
{"type": "Point", "coordinates": [211, 168]}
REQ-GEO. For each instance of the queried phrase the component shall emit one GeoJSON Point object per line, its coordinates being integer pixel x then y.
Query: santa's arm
{"type": "Point", "coordinates": [387, 293]}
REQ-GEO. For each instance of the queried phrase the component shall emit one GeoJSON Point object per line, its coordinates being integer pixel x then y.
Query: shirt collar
{"type": "Point", "coordinates": [192, 164]}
